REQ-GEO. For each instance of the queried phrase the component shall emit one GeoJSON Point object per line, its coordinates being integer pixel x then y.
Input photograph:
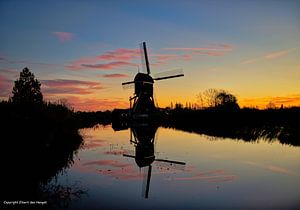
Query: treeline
{"type": "Point", "coordinates": [247, 124]}
{"type": "Point", "coordinates": [40, 139]}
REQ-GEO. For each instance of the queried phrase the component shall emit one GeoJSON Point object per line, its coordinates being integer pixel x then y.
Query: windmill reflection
{"type": "Point", "coordinates": [143, 138]}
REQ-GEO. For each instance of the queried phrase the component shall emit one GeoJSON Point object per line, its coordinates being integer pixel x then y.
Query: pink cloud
{"type": "Point", "coordinates": [6, 86]}
{"type": "Point", "coordinates": [112, 168]}
{"type": "Point", "coordinates": [253, 60]}
{"type": "Point", "coordinates": [210, 176]}
{"type": "Point", "coordinates": [121, 54]}
{"type": "Point", "coordinates": [63, 36]}
{"type": "Point", "coordinates": [123, 57]}
{"type": "Point", "coordinates": [108, 66]}
{"type": "Point", "coordinates": [270, 56]}
{"type": "Point", "coordinates": [91, 104]}
{"type": "Point", "coordinates": [115, 152]}
{"type": "Point", "coordinates": [210, 53]}
{"type": "Point", "coordinates": [111, 163]}
{"type": "Point", "coordinates": [125, 173]}
{"type": "Point", "coordinates": [93, 143]}
{"type": "Point", "coordinates": [114, 75]}
{"type": "Point", "coordinates": [281, 170]}
{"type": "Point", "coordinates": [11, 72]}
{"type": "Point", "coordinates": [61, 86]}
{"type": "Point", "coordinates": [271, 168]}
{"type": "Point", "coordinates": [117, 58]}
{"type": "Point", "coordinates": [279, 54]}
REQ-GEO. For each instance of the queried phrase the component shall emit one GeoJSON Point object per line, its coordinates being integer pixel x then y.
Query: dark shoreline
{"type": "Point", "coordinates": [41, 141]}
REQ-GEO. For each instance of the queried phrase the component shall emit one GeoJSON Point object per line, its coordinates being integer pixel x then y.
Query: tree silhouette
{"type": "Point", "coordinates": [27, 89]}
{"type": "Point", "coordinates": [216, 98]}
{"type": "Point", "coordinates": [226, 100]}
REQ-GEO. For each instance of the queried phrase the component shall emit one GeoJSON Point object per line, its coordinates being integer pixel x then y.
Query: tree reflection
{"type": "Point", "coordinates": [245, 124]}
{"type": "Point", "coordinates": [35, 154]}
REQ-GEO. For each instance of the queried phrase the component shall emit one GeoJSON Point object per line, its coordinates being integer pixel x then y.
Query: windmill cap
{"type": "Point", "coordinates": [141, 77]}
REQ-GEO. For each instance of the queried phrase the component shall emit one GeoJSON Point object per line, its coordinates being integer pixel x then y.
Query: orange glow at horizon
{"type": "Point", "coordinates": [96, 103]}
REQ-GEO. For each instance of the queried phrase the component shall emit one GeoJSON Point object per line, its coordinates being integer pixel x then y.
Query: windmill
{"type": "Point", "coordinates": [144, 138]}
{"type": "Point", "coordinates": [142, 102]}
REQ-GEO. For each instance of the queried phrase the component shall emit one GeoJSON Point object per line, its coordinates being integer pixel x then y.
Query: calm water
{"type": "Point", "coordinates": [218, 173]}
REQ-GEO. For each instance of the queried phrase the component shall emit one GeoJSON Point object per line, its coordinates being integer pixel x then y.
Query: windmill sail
{"type": "Point", "coordinates": [144, 57]}
{"type": "Point", "coordinates": [146, 182]}
{"type": "Point", "coordinates": [169, 74]}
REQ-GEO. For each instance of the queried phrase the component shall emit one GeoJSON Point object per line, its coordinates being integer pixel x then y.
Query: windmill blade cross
{"type": "Point", "coordinates": [169, 74]}
{"type": "Point", "coordinates": [126, 83]}
{"type": "Point", "coordinates": [126, 155]}
{"type": "Point", "coordinates": [144, 57]}
{"type": "Point", "coordinates": [169, 77]}
{"type": "Point", "coordinates": [146, 182]}
{"type": "Point", "coordinates": [171, 161]}
{"type": "Point", "coordinates": [175, 165]}
{"type": "Point", "coordinates": [128, 86]}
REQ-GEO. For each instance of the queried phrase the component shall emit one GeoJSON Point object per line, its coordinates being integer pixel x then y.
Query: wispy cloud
{"type": "Point", "coordinates": [210, 176]}
{"type": "Point", "coordinates": [123, 57]}
{"type": "Point", "coordinates": [62, 86]}
{"type": "Point", "coordinates": [271, 55]}
{"type": "Point", "coordinates": [5, 86]}
{"type": "Point", "coordinates": [91, 103]}
{"type": "Point", "coordinates": [108, 66]}
{"type": "Point", "coordinates": [112, 163]}
{"type": "Point", "coordinates": [271, 168]}
{"type": "Point", "coordinates": [26, 62]}
{"type": "Point", "coordinates": [121, 54]}
{"type": "Point", "coordinates": [63, 36]}
{"type": "Point", "coordinates": [10, 72]}
{"type": "Point", "coordinates": [212, 47]}
{"type": "Point", "coordinates": [91, 144]}
{"type": "Point", "coordinates": [280, 170]}
{"type": "Point", "coordinates": [106, 61]}
{"type": "Point", "coordinates": [211, 50]}
{"type": "Point", "coordinates": [114, 75]}
{"type": "Point", "coordinates": [279, 54]}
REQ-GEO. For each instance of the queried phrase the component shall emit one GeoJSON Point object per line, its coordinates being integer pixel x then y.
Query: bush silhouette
{"type": "Point", "coordinates": [27, 89]}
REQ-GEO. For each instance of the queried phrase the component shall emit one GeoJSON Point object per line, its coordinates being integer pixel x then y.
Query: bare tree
{"type": "Point", "coordinates": [216, 98]}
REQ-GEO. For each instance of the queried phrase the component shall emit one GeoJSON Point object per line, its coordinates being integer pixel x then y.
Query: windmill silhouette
{"type": "Point", "coordinates": [144, 139]}
{"type": "Point", "coordinates": [142, 102]}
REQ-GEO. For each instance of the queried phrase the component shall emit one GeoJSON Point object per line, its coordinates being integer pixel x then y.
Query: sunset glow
{"type": "Point", "coordinates": [81, 51]}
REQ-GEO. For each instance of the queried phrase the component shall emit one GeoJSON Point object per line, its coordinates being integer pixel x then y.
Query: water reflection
{"type": "Point", "coordinates": [225, 174]}
{"type": "Point", "coordinates": [270, 133]}
{"type": "Point", "coordinates": [142, 136]}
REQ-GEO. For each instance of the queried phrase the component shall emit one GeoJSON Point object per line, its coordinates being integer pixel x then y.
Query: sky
{"type": "Point", "coordinates": [81, 51]}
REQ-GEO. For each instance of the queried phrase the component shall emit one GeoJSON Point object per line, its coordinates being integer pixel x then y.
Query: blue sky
{"type": "Point", "coordinates": [257, 42]}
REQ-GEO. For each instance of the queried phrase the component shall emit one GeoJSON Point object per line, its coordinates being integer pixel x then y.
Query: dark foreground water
{"type": "Point", "coordinates": [218, 173]}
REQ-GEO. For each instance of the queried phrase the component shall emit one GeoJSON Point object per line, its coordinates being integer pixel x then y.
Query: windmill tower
{"type": "Point", "coordinates": [142, 102]}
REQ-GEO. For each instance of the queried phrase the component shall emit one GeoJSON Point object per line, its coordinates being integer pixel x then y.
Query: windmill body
{"type": "Point", "coordinates": [142, 104]}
